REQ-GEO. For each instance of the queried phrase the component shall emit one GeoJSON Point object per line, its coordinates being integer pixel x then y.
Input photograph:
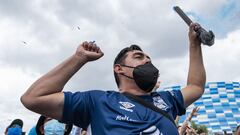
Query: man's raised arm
{"type": "Point", "coordinates": [45, 96]}
{"type": "Point", "coordinates": [196, 74]}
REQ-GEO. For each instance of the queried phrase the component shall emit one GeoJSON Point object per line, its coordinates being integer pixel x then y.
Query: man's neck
{"type": "Point", "coordinates": [137, 92]}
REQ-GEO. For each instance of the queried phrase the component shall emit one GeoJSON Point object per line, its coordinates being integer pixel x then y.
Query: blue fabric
{"type": "Point", "coordinates": [33, 131]}
{"type": "Point", "coordinates": [111, 113]}
{"type": "Point", "coordinates": [17, 130]}
{"type": "Point", "coordinates": [53, 127]}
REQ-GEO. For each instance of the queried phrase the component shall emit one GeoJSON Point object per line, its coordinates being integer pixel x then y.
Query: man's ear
{"type": "Point", "coordinates": [118, 69]}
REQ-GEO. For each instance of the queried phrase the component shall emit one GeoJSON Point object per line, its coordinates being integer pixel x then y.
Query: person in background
{"type": "Point", "coordinates": [84, 132]}
{"type": "Point", "coordinates": [237, 132]}
{"type": "Point", "coordinates": [32, 131]}
{"type": "Point", "coordinates": [185, 129]}
{"type": "Point", "coordinates": [191, 131]}
{"type": "Point", "coordinates": [81, 131]}
{"type": "Point", "coordinates": [15, 128]}
{"type": "Point", "coordinates": [49, 126]}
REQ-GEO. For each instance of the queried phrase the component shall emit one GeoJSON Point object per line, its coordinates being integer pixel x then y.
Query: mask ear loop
{"type": "Point", "coordinates": [126, 66]}
{"type": "Point", "coordinates": [126, 75]}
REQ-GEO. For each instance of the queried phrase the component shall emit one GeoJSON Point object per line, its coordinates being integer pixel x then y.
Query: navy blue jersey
{"type": "Point", "coordinates": [111, 113]}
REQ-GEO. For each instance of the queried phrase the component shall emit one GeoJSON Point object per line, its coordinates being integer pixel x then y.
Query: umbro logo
{"type": "Point", "coordinates": [126, 106]}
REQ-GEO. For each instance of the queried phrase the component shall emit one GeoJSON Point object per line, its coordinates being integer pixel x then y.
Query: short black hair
{"type": "Point", "coordinates": [121, 57]}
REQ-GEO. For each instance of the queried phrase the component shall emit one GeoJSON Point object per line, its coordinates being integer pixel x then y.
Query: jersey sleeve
{"type": "Point", "coordinates": [78, 107]}
{"type": "Point", "coordinates": [177, 102]}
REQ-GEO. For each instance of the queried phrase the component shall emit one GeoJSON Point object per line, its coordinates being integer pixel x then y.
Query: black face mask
{"type": "Point", "coordinates": [145, 76]}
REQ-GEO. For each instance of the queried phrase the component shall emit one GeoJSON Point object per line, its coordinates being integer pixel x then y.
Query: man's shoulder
{"type": "Point", "coordinates": [169, 92]}
{"type": "Point", "coordinates": [170, 95]}
{"type": "Point", "coordinates": [97, 93]}
{"type": "Point", "coordinates": [107, 92]}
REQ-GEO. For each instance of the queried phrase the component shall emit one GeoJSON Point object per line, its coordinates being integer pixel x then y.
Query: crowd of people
{"type": "Point", "coordinates": [49, 126]}
{"type": "Point", "coordinates": [134, 109]}
{"type": "Point", "coordinates": [44, 126]}
{"type": "Point", "coordinates": [185, 129]}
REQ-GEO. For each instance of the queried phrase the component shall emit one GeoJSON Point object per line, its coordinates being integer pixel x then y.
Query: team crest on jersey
{"type": "Point", "coordinates": [126, 106]}
{"type": "Point", "coordinates": [158, 101]}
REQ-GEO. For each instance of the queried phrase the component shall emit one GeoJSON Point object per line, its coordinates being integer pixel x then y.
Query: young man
{"type": "Point", "coordinates": [110, 112]}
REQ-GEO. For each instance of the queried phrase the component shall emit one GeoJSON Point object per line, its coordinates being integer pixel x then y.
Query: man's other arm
{"type": "Point", "coordinates": [45, 95]}
{"type": "Point", "coordinates": [196, 74]}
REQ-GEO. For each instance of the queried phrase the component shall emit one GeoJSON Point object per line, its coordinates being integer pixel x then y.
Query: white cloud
{"type": "Point", "coordinates": [14, 82]}
{"type": "Point", "coordinates": [222, 59]}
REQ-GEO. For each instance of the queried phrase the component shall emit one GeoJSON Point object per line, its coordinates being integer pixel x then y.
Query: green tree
{"type": "Point", "coordinates": [199, 128]}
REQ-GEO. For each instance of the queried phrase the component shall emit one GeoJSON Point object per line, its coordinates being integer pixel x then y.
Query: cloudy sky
{"type": "Point", "coordinates": [36, 35]}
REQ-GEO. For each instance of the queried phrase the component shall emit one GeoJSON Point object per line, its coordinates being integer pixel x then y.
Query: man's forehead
{"type": "Point", "coordinates": [136, 52]}
{"type": "Point", "coordinates": [133, 52]}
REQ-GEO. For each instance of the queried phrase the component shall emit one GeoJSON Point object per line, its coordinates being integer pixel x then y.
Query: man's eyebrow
{"type": "Point", "coordinates": [142, 54]}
